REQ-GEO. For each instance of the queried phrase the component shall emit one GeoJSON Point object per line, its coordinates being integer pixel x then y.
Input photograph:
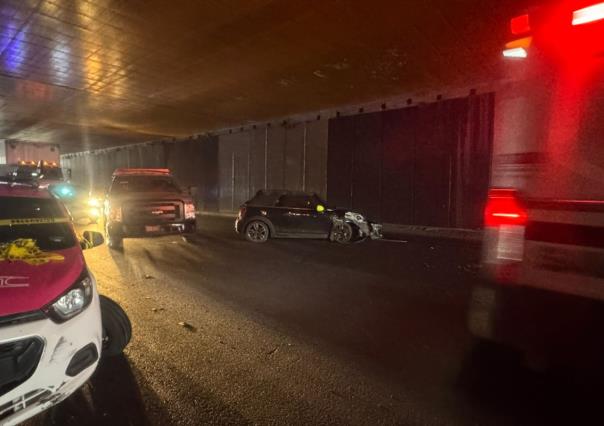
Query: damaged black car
{"type": "Point", "coordinates": [292, 214]}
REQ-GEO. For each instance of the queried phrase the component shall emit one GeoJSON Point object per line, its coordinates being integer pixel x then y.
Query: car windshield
{"type": "Point", "coordinates": [25, 172]}
{"type": "Point", "coordinates": [54, 173]}
{"type": "Point", "coordinates": [68, 192]}
{"type": "Point", "coordinates": [40, 220]}
{"type": "Point", "coordinates": [128, 184]}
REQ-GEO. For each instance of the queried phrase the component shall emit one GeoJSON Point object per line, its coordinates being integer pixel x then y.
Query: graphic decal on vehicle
{"type": "Point", "coordinates": [26, 250]}
{"type": "Point", "coordinates": [13, 282]}
{"type": "Point", "coordinates": [33, 221]}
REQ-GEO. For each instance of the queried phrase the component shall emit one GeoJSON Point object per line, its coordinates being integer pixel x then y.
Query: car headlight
{"type": "Point", "coordinates": [189, 211]}
{"type": "Point", "coordinates": [94, 202]}
{"type": "Point", "coordinates": [73, 301]}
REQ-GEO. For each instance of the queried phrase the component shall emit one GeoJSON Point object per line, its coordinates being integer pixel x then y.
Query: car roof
{"type": "Point", "coordinates": [14, 189]}
{"type": "Point", "coordinates": [270, 196]}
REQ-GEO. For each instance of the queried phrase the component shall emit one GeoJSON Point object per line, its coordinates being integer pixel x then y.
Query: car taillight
{"type": "Point", "coordinates": [189, 211]}
{"type": "Point", "coordinates": [504, 208]}
{"type": "Point", "coordinates": [505, 219]}
{"type": "Point", "coordinates": [241, 212]}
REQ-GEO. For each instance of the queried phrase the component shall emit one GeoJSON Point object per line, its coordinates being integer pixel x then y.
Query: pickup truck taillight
{"type": "Point", "coordinates": [189, 211]}
{"type": "Point", "coordinates": [505, 221]}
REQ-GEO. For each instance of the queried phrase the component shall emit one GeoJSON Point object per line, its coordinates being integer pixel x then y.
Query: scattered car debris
{"type": "Point", "coordinates": [149, 277]}
{"type": "Point", "coordinates": [157, 309]}
{"type": "Point", "coordinates": [273, 351]}
{"type": "Point", "coordinates": [187, 326]}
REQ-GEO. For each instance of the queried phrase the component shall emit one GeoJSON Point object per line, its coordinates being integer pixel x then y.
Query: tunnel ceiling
{"type": "Point", "coordinates": [111, 72]}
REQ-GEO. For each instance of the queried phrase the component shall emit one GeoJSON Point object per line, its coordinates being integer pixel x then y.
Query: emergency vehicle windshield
{"type": "Point", "coordinates": [42, 221]}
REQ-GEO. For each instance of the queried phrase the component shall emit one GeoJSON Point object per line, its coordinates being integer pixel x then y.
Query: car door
{"type": "Point", "coordinates": [294, 211]}
{"type": "Point", "coordinates": [301, 215]}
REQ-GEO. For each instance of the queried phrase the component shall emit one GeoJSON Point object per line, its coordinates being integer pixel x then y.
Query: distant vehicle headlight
{"type": "Point", "coordinates": [73, 301]}
{"type": "Point", "coordinates": [94, 202]}
{"type": "Point", "coordinates": [189, 211]}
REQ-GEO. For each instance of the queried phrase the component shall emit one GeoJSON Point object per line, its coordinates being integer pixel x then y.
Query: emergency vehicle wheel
{"type": "Point", "coordinates": [117, 329]}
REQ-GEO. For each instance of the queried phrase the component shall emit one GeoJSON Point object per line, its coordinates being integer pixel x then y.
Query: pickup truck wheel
{"type": "Point", "coordinates": [117, 329]}
{"type": "Point", "coordinates": [257, 232]}
{"type": "Point", "coordinates": [113, 241]}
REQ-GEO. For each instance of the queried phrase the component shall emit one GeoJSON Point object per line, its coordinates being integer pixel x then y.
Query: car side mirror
{"type": "Point", "coordinates": [91, 239]}
{"type": "Point", "coordinates": [320, 208]}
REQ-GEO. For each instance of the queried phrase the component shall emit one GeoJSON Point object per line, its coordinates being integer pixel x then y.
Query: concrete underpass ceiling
{"type": "Point", "coordinates": [111, 72]}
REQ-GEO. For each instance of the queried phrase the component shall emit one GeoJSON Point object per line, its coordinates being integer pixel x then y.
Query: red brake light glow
{"type": "Point", "coordinates": [520, 25]}
{"type": "Point", "coordinates": [588, 14]}
{"type": "Point", "coordinates": [504, 208]}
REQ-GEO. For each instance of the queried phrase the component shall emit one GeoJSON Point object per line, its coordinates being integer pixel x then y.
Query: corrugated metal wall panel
{"type": "Point", "coordinates": [315, 170]}
{"type": "Point", "coordinates": [241, 151]}
{"type": "Point", "coordinates": [209, 185]}
{"type": "Point", "coordinates": [276, 157]}
{"type": "Point", "coordinates": [435, 165]}
{"type": "Point", "coordinates": [398, 141]}
{"type": "Point", "coordinates": [367, 164]}
{"type": "Point", "coordinates": [340, 161]}
{"type": "Point", "coordinates": [432, 167]}
{"type": "Point", "coordinates": [257, 166]}
{"type": "Point", "coordinates": [294, 156]}
{"type": "Point", "coordinates": [225, 172]}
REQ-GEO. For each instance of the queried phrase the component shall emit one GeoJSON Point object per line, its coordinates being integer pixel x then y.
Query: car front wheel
{"type": "Point", "coordinates": [342, 233]}
{"type": "Point", "coordinates": [117, 329]}
{"type": "Point", "coordinates": [257, 232]}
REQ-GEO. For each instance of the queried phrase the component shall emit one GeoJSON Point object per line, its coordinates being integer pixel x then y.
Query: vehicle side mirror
{"type": "Point", "coordinates": [320, 208]}
{"type": "Point", "coordinates": [91, 239]}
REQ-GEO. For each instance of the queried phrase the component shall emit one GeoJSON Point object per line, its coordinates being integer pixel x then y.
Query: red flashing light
{"type": "Point", "coordinates": [504, 208]}
{"type": "Point", "coordinates": [126, 172]}
{"type": "Point", "coordinates": [588, 14]}
{"type": "Point", "coordinates": [520, 25]}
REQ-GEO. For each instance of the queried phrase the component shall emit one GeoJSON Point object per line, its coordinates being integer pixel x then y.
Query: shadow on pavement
{"type": "Point", "coordinates": [497, 381]}
{"type": "Point", "coordinates": [112, 396]}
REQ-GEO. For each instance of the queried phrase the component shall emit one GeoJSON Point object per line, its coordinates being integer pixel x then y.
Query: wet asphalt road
{"type": "Point", "coordinates": [305, 332]}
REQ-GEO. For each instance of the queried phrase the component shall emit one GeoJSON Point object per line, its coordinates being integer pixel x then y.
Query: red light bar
{"type": "Point", "coordinates": [588, 14]}
{"type": "Point", "coordinates": [520, 25]}
{"type": "Point", "coordinates": [504, 208]}
{"type": "Point", "coordinates": [123, 172]}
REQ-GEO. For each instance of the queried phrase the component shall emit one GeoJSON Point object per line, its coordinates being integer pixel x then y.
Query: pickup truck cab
{"type": "Point", "coordinates": [144, 203]}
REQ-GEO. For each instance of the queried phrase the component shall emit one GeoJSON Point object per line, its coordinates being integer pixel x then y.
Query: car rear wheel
{"type": "Point", "coordinates": [342, 233]}
{"type": "Point", "coordinates": [117, 329]}
{"type": "Point", "coordinates": [257, 232]}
